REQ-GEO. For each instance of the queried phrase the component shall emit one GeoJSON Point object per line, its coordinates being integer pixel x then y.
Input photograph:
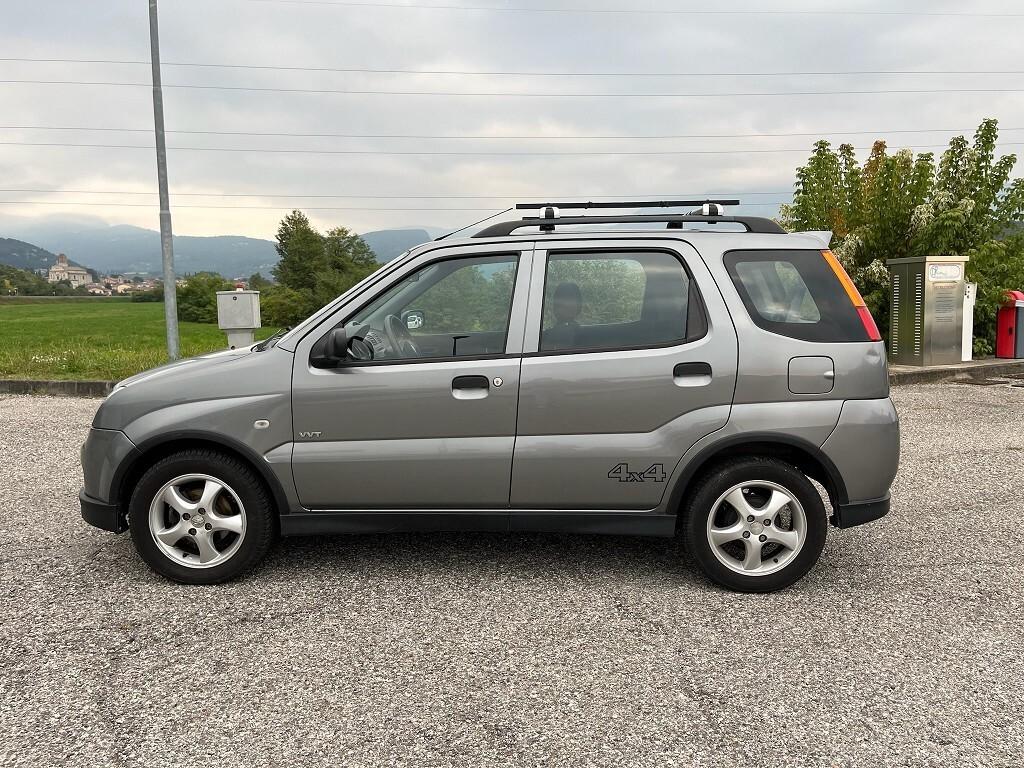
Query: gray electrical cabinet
{"type": "Point", "coordinates": [927, 310]}
{"type": "Point", "coordinates": [238, 315]}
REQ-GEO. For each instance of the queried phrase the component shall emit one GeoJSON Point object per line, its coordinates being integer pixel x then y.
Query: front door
{"type": "Point", "coordinates": [629, 359]}
{"type": "Point", "coordinates": [424, 415]}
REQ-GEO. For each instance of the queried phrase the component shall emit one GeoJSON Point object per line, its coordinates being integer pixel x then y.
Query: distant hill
{"type": "Point", "coordinates": [389, 243]}
{"type": "Point", "coordinates": [121, 248]}
{"type": "Point", "coordinates": [17, 253]}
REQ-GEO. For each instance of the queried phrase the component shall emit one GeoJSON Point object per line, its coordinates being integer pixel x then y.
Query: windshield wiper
{"type": "Point", "coordinates": [270, 341]}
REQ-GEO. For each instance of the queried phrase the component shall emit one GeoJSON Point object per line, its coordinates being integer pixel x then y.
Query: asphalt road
{"type": "Point", "coordinates": [903, 647]}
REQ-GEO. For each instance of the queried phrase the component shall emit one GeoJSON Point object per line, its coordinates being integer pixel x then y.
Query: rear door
{"type": "Point", "coordinates": [629, 359]}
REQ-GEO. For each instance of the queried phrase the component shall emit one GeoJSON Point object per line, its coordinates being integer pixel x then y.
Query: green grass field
{"type": "Point", "coordinates": [92, 338]}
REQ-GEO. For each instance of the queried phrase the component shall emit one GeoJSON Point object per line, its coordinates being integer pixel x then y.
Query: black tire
{"type": "Point", "coordinates": [719, 480]}
{"type": "Point", "coordinates": [260, 514]}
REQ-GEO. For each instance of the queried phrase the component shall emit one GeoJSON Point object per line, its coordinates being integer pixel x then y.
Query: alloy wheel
{"type": "Point", "coordinates": [756, 528]}
{"type": "Point", "coordinates": [197, 520]}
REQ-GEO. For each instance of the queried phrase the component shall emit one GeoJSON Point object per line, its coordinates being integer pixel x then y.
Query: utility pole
{"type": "Point", "coordinates": [166, 242]}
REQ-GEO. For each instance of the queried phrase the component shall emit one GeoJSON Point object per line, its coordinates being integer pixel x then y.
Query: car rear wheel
{"type": "Point", "coordinates": [755, 524]}
{"type": "Point", "coordinates": [201, 517]}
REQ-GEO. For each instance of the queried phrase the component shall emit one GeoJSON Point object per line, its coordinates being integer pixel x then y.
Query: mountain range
{"type": "Point", "coordinates": [115, 249]}
{"type": "Point", "coordinates": [17, 253]}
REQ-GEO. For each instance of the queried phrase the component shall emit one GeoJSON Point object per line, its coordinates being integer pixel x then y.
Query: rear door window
{"type": "Point", "coordinates": [795, 294]}
{"type": "Point", "coordinates": [610, 300]}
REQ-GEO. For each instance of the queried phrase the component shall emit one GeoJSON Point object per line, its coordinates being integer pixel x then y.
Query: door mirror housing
{"type": "Point", "coordinates": [331, 349]}
{"type": "Point", "coordinates": [336, 348]}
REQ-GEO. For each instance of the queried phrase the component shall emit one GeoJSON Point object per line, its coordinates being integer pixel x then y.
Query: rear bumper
{"type": "Point", "coordinates": [849, 515]}
{"type": "Point", "coordinates": [101, 514]}
{"type": "Point", "coordinates": [865, 448]}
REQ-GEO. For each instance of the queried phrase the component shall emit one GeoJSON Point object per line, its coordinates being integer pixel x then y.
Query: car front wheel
{"type": "Point", "coordinates": [201, 517]}
{"type": "Point", "coordinates": [755, 524]}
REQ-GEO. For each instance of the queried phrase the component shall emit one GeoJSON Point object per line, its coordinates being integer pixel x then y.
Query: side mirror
{"type": "Point", "coordinates": [414, 319]}
{"type": "Point", "coordinates": [336, 347]}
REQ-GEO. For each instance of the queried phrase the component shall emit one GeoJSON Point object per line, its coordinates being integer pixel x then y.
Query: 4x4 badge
{"type": "Point", "coordinates": [623, 474]}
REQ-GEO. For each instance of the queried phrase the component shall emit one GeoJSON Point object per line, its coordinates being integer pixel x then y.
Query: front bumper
{"type": "Point", "coordinates": [104, 455]}
{"type": "Point", "coordinates": [101, 514]}
{"type": "Point", "coordinates": [849, 515]}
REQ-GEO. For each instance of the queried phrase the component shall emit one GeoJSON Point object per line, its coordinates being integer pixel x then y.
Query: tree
{"type": "Point", "coordinates": [21, 282]}
{"type": "Point", "coordinates": [996, 265]}
{"type": "Point", "coordinates": [973, 200]}
{"type": "Point", "coordinates": [869, 210]}
{"type": "Point", "coordinates": [197, 299]}
{"type": "Point", "coordinates": [301, 249]}
{"type": "Point", "coordinates": [347, 260]}
{"type": "Point", "coordinates": [282, 306]}
{"type": "Point", "coordinates": [314, 269]}
{"type": "Point", "coordinates": [902, 205]}
{"type": "Point", "coordinates": [258, 282]}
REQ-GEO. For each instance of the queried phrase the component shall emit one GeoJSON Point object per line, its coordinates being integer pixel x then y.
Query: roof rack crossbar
{"type": "Point", "coordinates": [754, 224]}
{"type": "Point", "coordinates": [625, 204]}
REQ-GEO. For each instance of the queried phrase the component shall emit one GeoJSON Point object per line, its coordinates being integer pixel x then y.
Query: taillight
{"type": "Point", "coordinates": [869, 324]}
{"type": "Point", "coordinates": [855, 298]}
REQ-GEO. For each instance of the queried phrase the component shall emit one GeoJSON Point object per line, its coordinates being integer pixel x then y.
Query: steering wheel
{"type": "Point", "coordinates": [399, 337]}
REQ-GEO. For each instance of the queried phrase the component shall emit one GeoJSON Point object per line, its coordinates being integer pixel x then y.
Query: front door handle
{"type": "Point", "coordinates": [470, 387]}
{"type": "Point", "coordinates": [691, 374]}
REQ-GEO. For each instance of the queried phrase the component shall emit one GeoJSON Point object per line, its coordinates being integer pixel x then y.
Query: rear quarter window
{"type": "Point", "coordinates": [796, 294]}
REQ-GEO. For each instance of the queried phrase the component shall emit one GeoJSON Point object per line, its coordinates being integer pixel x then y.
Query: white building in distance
{"type": "Point", "coordinates": [63, 271]}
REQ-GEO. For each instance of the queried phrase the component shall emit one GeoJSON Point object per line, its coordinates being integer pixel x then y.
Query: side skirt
{"type": "Point", "coordinates": [386, 521]}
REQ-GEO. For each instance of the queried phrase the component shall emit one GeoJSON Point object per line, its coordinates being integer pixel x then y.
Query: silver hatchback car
{"type": "Point", "coordinates": [704, 375]}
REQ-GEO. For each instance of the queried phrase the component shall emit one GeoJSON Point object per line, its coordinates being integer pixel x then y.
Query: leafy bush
{"type": "Point", "coordinates": [154, 294]}
{"type": "Point", "coordinates": [283, 306]}
{"type": "Point", "coordinates": [21, 282]}
{"type": "Point", "coordinates": [997, 266]}
{"type": "Point", "coordinates": [900, 205]}
{"type": "Point", "coordinates": [197, 299]}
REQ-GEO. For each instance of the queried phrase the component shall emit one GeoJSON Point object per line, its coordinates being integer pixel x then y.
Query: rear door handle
{"type": "Point", "coordinates": [691, 374]}
{"type": "Point", "coordinates": [470, 387]}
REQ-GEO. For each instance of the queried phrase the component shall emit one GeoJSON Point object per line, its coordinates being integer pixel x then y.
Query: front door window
{"type": "Point", "coordinates": [447, 309]}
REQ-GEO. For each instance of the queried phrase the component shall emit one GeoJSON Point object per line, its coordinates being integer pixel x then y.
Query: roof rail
{"type": "Point", "coordinates": [626, 204]}
{"type": "Point", "coordinates": [550, 220]}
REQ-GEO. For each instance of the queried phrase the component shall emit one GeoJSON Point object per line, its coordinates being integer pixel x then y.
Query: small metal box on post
{"type": "Point", "coordinates": [927, 310]}
{"type": "Point", "coordinates": [238, 315]}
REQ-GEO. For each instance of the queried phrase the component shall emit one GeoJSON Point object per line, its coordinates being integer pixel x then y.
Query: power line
{"type": "Point", "coordinates": [515, 73]}
{"type": "Point", "coordinates": [260, 207]}
{"type": "Point", "coordinates": [655, 196]}
{"type": "Point", "coordinates": [632, 137]}
{"type": "Point", "coordinates": [703, 11]}
{"type": "Point", "coordinates": [519, 94]}
{"type": "Point", "coordinates": [428, 152]}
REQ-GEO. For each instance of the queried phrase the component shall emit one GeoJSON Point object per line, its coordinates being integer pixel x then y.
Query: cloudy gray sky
{"type": "Point", "coordinates": [206, 186]}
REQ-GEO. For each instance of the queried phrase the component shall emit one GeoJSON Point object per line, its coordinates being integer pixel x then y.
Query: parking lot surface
{"type": "Point", "coordinates": [903, 647]}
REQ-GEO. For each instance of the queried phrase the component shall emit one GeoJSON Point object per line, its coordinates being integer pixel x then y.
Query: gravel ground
{"type": "Point", "coordinates": [903, 647]}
